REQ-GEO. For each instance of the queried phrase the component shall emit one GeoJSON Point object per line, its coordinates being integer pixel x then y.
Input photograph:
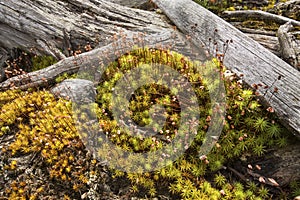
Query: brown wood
{"type": "Point", "coordinates": [281, 164]}
{"type": "Point", "coordinates": [244, 56]}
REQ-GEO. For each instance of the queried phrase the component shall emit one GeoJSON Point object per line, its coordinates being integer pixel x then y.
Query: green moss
{"type": "Point", "coordinates": [256, 24]}
{"type": "Point", "coordinates": [41, 62]}
{"type": "Point", "coordinates": [64, 76]}
{"type": "Point", "coordinates": [248, 130]}
{"type": "Point", "coordinates": [295, 187]}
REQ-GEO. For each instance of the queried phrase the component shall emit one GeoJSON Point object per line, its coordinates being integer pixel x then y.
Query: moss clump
{"type": "Point", "coordinates": [147, 96]}
{"type": "Point", "coordinates": [64, 76]}
{"type": "Point", "coordinates": [44, 126]}
{"type": "Point", "coordinates": [41, 62]}
{"type": "Point", "coordinates": [249, 129]}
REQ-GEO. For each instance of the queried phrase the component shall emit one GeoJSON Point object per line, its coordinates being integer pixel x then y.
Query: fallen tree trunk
{"type": "Point", "coordinates": [268, 39]}
{"type": "Point", "coordinates": [55, 27]}
{"type": "Point", "coordinates": [269, 42]}
{"type": "Point", "coordinates": [90, 60]}
{"type": "Point", "coordinates": [244, 57]}
{"type": "Point", "coordinates": [141, 4]}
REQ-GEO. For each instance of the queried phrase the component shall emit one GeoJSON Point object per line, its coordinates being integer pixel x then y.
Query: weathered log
{"type": "Point", "coordinates": [268, 39]}
{"type": "Point", "coordinates": [244, 56]}
{"type": "Point", "coordinates": [47, 26]}
{"type": "Point", "coordinates": [253, 31]}
{"type": "Point", "coordinates": [3, 58]}
{"type": "Point", "coordinates": [289, 49]}
{"type": "Point", "coordinates": [91, 60]}
{"type": "Point", "coordinates": [258, 14]}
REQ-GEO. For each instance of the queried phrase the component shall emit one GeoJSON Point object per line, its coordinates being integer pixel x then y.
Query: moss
{"type": "Point", "coordinates": [45, 126]}
{"type": "Point", "coordinates": [41, 62]}
{"type": "Point", "coordinates": [248, 130]}
{"type": "Point", "coordinates": [64, 76]}
{"type": "Point", "coordinates": [255, 24]}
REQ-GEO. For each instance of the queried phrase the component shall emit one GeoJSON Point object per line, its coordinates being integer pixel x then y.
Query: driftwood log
{"type": "Point", "coordinates": [55, 27]}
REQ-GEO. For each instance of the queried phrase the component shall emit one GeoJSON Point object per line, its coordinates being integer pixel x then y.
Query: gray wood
{"type": "Point", "coordinates": [90, 62]}
{"type": "Point", "coordinates": [141, 4]}
{"type": "Point", "coordinates": [290, 50]}
{"type": "Point", "coordinates": [269, 42]}
{"type": "Point", "coordinates": [45, 25]}
{"type": "Point", "coordinates": [244, 56]}
{"type": "Point", "coordinates": [268, 39]}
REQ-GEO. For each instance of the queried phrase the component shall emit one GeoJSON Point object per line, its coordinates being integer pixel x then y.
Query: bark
{"type": "Point", "coordinates": [244, 56]}
{"type": "Point", "coordinates": [3, 58]}
{"type": "Point", "coordinates": [254, 31]}
{"type": "Point", "coordinates": [288, 45]}
{"type": "Point", "coordinates": [141, 4]}
{"type": "Point", "coordinates": [268, 39]}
